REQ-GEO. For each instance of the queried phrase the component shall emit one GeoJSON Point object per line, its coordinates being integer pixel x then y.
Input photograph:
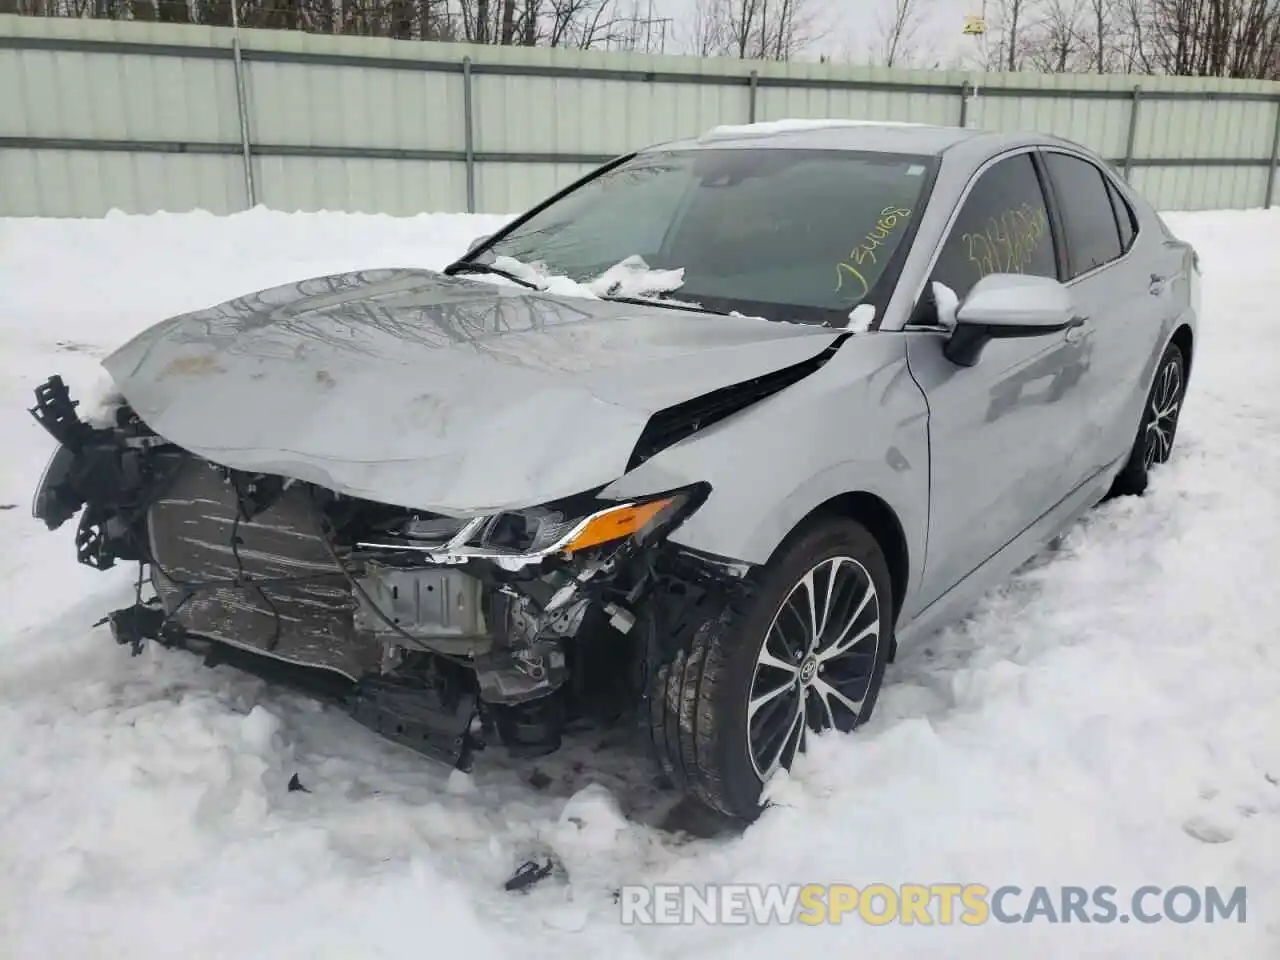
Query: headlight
{"type": "Point", "coordinates": [616, 523]}
{"type": "Point", "coordinates": [564, 528]}
{"type": "Point", "coordinates": [543, 531]}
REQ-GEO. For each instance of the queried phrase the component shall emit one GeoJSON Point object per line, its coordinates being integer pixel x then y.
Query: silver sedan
{"type": "Point", "coordinates": [694, 445]}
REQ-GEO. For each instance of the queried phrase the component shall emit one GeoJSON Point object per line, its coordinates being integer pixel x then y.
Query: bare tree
{"type": "Point", "coordinates": [1129, 53]}
{"type": "Point", "coordinates": [1103, 34]}
{"type": "Point", "coordinates": [742, 24]}
{"type": "Point", "coordinates": [579, 23]}
{"type": "Point", "coordinates": [898, 29]}
{"type": "Point", "coordinates": [555, 23]}
{"type": "Point", "coordinates": [752, 29]}
{"type": "Point", "coordinates": [173, 11]}
{"type": "Point", "coordinates": [1055, 44]}
{"type": "Point", "coordinates": [508, 30]}
{"type": "Point", "coordinates": [1208, 38]}
{"type": "Point", "coordinates": [708, 35]}
{"type": "Point", "coordinates": [1013, 23]}
{"type": "Point", "coordinates": [529, 24]}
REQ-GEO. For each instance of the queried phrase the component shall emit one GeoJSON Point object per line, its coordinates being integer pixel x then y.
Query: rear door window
{"type": "Point", "coordinates": [1088, 218]}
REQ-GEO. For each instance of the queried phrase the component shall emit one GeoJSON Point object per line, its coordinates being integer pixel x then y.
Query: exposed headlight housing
{"type": "Point", "coordinates": [527, 536]}
{"type": "Point", "coordinates": [633, 519]}
{"type": "Point", "coordinates": [49, 503]}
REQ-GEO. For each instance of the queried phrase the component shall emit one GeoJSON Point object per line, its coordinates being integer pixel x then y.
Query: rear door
{"type": "Point", "coordinates": [1120, 297]}
{"type": "Point", "coordinates": [1001, 431]}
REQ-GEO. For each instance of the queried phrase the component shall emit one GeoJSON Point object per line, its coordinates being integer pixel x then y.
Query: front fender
{"type": "Point", "coordinates": [857, 425]}
{"type": "Point", "coordinates": [714, 530]}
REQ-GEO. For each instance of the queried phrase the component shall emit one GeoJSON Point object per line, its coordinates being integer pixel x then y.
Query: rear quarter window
{"type": "Point", "coordinates": [1125, 218]}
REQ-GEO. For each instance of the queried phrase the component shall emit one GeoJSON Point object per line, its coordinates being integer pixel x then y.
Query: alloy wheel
{"type": "Point", "coordinates": [816, 664]}
{"type": "Point", "coordinates": [1166, 400]}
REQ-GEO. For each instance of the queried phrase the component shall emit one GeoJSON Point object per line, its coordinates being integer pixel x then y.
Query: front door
{"type": "Point", "coordinates": [1001, 431]}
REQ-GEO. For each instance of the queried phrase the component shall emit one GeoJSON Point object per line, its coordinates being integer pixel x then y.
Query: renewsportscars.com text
{"type": "Point", "coordinates": [967, 904]}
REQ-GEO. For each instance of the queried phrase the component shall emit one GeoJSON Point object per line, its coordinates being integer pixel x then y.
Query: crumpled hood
{"type": "Point", "coordinates": [421, 390]}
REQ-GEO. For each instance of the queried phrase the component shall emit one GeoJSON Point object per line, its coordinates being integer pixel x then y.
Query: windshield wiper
{"type": "Point", "coordinates": [472, 266]}
{"type": "Point", "coordinates": [664, 302]}
{"type": "Point", "coordinates": [454, 269]}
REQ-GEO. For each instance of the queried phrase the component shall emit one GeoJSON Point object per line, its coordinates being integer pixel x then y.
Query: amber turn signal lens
{"type": "Point", "coordinates": [617, 523]}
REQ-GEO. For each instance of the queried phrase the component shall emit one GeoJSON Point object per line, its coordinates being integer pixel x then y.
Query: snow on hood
{"type": "Point", "coordinates": [442, 393]}
{"type": "Point", "coordinates": [631, 277]}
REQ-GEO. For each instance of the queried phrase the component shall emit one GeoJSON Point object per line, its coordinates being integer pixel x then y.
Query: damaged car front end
{"type": "Point", "coordinates": [428, 628]}
{"type": "Point", "coordinates": [300, 551]}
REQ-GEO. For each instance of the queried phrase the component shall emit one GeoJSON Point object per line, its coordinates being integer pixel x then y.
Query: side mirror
{"type": "Point", "coordinates": [1006, 305]}
{"type": "Point", "coordinates": [477, 243]}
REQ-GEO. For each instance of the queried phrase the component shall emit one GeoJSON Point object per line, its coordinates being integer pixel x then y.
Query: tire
{"type": "Point", "coordinates": [699, 701]}
{"type": "Point", "coordinates": [1158, 427]}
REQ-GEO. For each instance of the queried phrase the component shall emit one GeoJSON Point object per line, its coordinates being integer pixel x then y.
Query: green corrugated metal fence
{"type": "Point", "coordinates": [96, 115]}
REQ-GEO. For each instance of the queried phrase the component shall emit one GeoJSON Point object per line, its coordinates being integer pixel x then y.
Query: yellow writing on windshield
{"type": "Point", "coordinates": [865, 252]}
{"type": "Point", "coordinates": [1009, 242]}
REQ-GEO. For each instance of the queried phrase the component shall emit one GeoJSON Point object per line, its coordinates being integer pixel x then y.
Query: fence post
{"type": "Point", "coordinates": [1275, 145]}
{"type": "Point", "coordinates": [964, 103]}
{"type": "Point", "coordinates": [469, 135]}
{"type": "Point", "coordinates": [752, 89]}
{"type": "Point", "coordinates": [1133, 130]}
{"type": "Point", "coordinates": [242, 106]}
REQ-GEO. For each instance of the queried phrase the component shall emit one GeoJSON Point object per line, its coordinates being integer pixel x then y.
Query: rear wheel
{"type": "Point", "coordinates": [799, 649]}
{"type": "Point", "coordinates": [1154, 442]}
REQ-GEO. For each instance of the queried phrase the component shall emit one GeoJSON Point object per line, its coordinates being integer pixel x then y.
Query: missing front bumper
{"type": "Point", "coordinates": [275, 585]}
{"type": "Point", "coordinates": [431, 713]}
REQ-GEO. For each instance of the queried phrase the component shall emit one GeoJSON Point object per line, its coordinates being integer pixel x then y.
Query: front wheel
{"type": "Point", "coordinates": [1154, 442]}
{"type": "Point", "coordinates": [800, 648]}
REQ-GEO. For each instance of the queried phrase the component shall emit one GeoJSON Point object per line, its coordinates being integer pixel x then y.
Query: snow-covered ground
{"type": "Point", "coordinates": [1113, 717]}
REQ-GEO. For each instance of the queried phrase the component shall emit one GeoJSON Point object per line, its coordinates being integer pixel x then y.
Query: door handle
{"type": "Point", "coordinates": [1075, 329]}
{"type": "Point", "coordinates": [1156, 286]}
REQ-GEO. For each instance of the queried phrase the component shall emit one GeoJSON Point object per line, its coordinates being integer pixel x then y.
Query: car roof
{"type": "Point", "coordinates": [874, 136]}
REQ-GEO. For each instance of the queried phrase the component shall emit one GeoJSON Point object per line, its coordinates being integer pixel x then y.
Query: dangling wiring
{"type": "Point", "coordinates": [328, 537]}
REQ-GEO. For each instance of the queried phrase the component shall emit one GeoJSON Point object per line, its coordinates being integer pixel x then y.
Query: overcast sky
{"type": "Point", "coordinates": [854, 27]}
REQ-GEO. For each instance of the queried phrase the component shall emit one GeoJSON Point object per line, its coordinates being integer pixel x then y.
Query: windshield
{"type": "Point", "coordinates": [799, 235]}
